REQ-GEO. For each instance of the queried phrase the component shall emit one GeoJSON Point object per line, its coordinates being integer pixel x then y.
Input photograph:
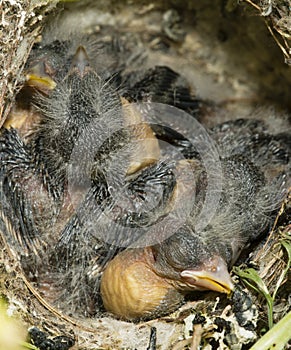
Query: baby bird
{"type": "Point", "coordinates": [142, 283]}
{"type": "Point", "coordinates": [100, 207]}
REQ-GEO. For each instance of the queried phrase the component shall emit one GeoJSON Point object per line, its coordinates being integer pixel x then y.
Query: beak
{"type": "Point", "coordinates": [80, 62]}
{"type": "Point", "coordinates": [211, 276]}
{"type": "Point", "coordinates": [38, 77]}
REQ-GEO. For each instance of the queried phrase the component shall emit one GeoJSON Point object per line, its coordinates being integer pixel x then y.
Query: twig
{"type": "Point", "coordinates": [197, 335]}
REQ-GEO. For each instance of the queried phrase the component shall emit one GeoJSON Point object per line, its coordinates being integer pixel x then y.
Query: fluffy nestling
{"type": "Point", "coordinates": [134, 283]}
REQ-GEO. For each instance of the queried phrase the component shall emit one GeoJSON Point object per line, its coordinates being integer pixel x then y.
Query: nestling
{"type": "Point", "coordinates": [83, 189]}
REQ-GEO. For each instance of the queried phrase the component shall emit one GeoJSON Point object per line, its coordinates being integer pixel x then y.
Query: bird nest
{"type": "Point", "coordinates": [204, 43]}
{"type": "Point", "coordinates": [277, 17]}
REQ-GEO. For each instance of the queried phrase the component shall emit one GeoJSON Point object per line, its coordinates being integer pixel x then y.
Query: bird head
{"type": "Point", "coordinates": [192, 262]}
{"type": "Point", "coordinates": [149, 282]}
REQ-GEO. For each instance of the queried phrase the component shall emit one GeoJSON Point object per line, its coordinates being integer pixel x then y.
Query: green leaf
{"type": "Point", "coordinates": [286, 244]}
{"type": "Point", "coordinates": [252, 279]}
{"type": "Point", "coordinates": [26, 345]}
{"type": "Point", "coordinates": [277, 337]}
